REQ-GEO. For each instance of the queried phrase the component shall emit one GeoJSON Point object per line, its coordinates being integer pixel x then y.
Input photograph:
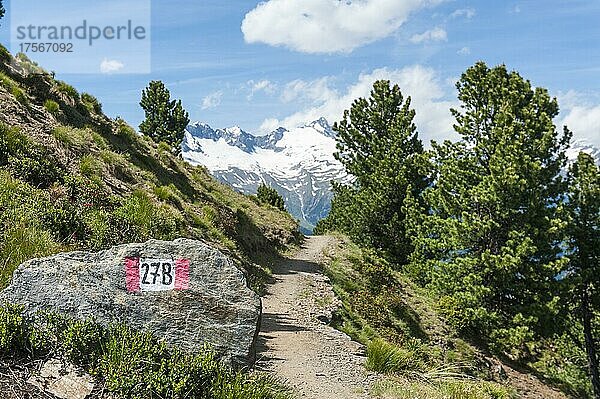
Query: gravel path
{"type": "Point", "coordinates": [295, 341]}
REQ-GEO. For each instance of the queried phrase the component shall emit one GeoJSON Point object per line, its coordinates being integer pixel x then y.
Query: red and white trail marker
{"type": "Point", "coordinates": [154, 275]}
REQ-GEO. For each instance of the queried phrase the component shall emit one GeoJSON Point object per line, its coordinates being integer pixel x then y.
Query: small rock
{"type": "Point", "coordinates": [63, 380]}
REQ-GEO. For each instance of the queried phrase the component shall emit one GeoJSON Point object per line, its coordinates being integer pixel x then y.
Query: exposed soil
{"type": "Point", "coordinates": [296, 342]}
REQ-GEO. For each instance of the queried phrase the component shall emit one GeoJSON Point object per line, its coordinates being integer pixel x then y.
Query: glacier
{"type": "Point", "coordinates": [298, 163]}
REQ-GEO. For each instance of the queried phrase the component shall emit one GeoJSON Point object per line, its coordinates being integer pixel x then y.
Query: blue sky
{"type": "Point", "coordinates": [292, 61]}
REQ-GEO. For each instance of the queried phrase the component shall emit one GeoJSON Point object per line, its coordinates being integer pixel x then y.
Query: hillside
{"type": "Point", "coordinates": [298, 163]}
{"type": "Point", "coordinates": [71, 178]}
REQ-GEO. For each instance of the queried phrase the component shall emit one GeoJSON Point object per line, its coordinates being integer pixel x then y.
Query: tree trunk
{"type": "Point", "coordinates": [590, 345]}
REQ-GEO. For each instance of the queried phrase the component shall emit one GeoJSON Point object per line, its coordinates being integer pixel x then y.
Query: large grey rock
{"type": "Point", "coordinates": [216, 308]}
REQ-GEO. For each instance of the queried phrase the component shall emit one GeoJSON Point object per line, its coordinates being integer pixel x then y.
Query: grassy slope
{"type": "Point", "coordinates": [408, 340]}
{"type": "Point", "coordinates": [71, 178]}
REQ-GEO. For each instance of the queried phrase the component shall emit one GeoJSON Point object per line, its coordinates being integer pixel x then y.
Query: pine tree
{"type": "Point", "coordinates": [1, 10]}
{"type": "Point", "coordinates": [166, 120]}
{"type": "Point", "coordinates": [377, 142]}
{"type": "Point", "coordinates": [269, 195]}
{"type": "Point", "coordinates": [583, 275]}
{"type": "Point", "coordinates": [489, 244]}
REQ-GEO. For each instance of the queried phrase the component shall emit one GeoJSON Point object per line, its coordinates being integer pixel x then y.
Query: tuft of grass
{"type": "Point", "coordinates": [74, 138]}
{"type": "Point", "coordinates": [249, 386]}
{"type": "Point", "coordinates": [118, 165]}
{"type": "Point", "coordinates": [52, 107]}
{"type": "Point", "coordinates": [68, 90]}
{"type": "Point", "coordinates": [20, 243]}
{"type": "Point", "coordinates": [125, 131]}
{"type": "Point", "coordinates": [7, 82]}
{"type": "Point", "coordinates": [169, 194]}
{"type": "Point", "coordinates": [143, 219]}
{"type": "Point", "coordinates": [20, 95]}
{"type": "Point", "coordinates": [99, 141]}
{"type": "Point", "coordinates": [89, 166]}
{"type": "Point", "coordinates": [446, 389]}
{"type": "Point", "coordinates": [91, 103]}
{"type": "Point", "coordinates": [387, 358]}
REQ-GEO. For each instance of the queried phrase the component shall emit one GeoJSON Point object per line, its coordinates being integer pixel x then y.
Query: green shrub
{"type": "Point", "coordinates": [7, 82]}
{"type": "Point", "coordinates": [268, 195]}
{"type": "Point", "coordinates": [20, 95]}
{"type": "Point", "coordinates": [81, 341]}
{"type": "Point", "coordinates": [52, 107]}
{"type": "Point", "coordinates": [12, 328]}
{"type": "Point", "coordinates": [26, 159]}
{"type": "Point", "coordinates": [516, 342]}
{"type": "Point", "coordinates": [384, 357]}
{"type": "Point", "coordinates": [131, 364]}
{"type": "Point", "coordinates": [5, 57]}
{"type": "Point", "coordinates": [12, 142]}
{"type": "Point", "coordinates": [89, 166]}
{"type": "Point", "coordinates": [91, 103]}
{"type": "Point", "coordinates": [88, 193]}
{"type": "Point", "coordinates": [67, 89]}
{"type": "Point", "coordinates": [37, 167]}
{"type": "Point", "coordinates": [142, 219]}
{"type": "Point", "coordinates": [376, 269]}
{"type": "Point", "coordinates": [565, 363]}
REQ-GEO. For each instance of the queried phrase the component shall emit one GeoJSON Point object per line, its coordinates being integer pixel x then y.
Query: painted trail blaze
{"type": "Point", "coordinates": [148, 274]}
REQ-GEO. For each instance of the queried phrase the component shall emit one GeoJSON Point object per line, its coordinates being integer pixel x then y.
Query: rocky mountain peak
{"type": "Point", "coordinates": [298, 163]}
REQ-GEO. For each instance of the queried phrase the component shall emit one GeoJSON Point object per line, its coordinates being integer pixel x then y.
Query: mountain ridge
{"type": "Point", "coordinates": [298, 163]}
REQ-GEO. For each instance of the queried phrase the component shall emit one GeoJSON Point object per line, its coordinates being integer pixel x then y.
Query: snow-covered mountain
{"type": "Point", "coordinates": [298, 163]}
{"type": "Point", "coordinates": [582, 146]}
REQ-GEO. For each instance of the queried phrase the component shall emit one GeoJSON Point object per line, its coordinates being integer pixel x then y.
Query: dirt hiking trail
{"type": "Point", "coordinates": [295, 341]}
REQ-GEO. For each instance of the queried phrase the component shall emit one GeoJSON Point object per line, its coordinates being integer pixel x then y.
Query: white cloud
{"type": "Point", "coordinates": [463, 12]}
{"type": "Point", "coordinates": [581, 117]}
{"type": "Point", "coordinates": [264, 85]}
{"type": "Point", "coordinates": [464, 51]}
{"type": "Point", "coordinates": [433, 118]}
{"type": "Point", "coordinates": [269, 125]}
{"type": "Point", "coordinates": [212, 100]}
{"type": "Point", "coordinates": [434, 35]}
{"type": "Point", "coordinates": [317, 90]}
{"type": "Point", "coordinates": [326, 26]}
{"type": "Point", "coordinates": [111, 66]}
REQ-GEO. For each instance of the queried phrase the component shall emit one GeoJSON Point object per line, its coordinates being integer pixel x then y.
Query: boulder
{"type": "Point", "coordinates": [184, 292]}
